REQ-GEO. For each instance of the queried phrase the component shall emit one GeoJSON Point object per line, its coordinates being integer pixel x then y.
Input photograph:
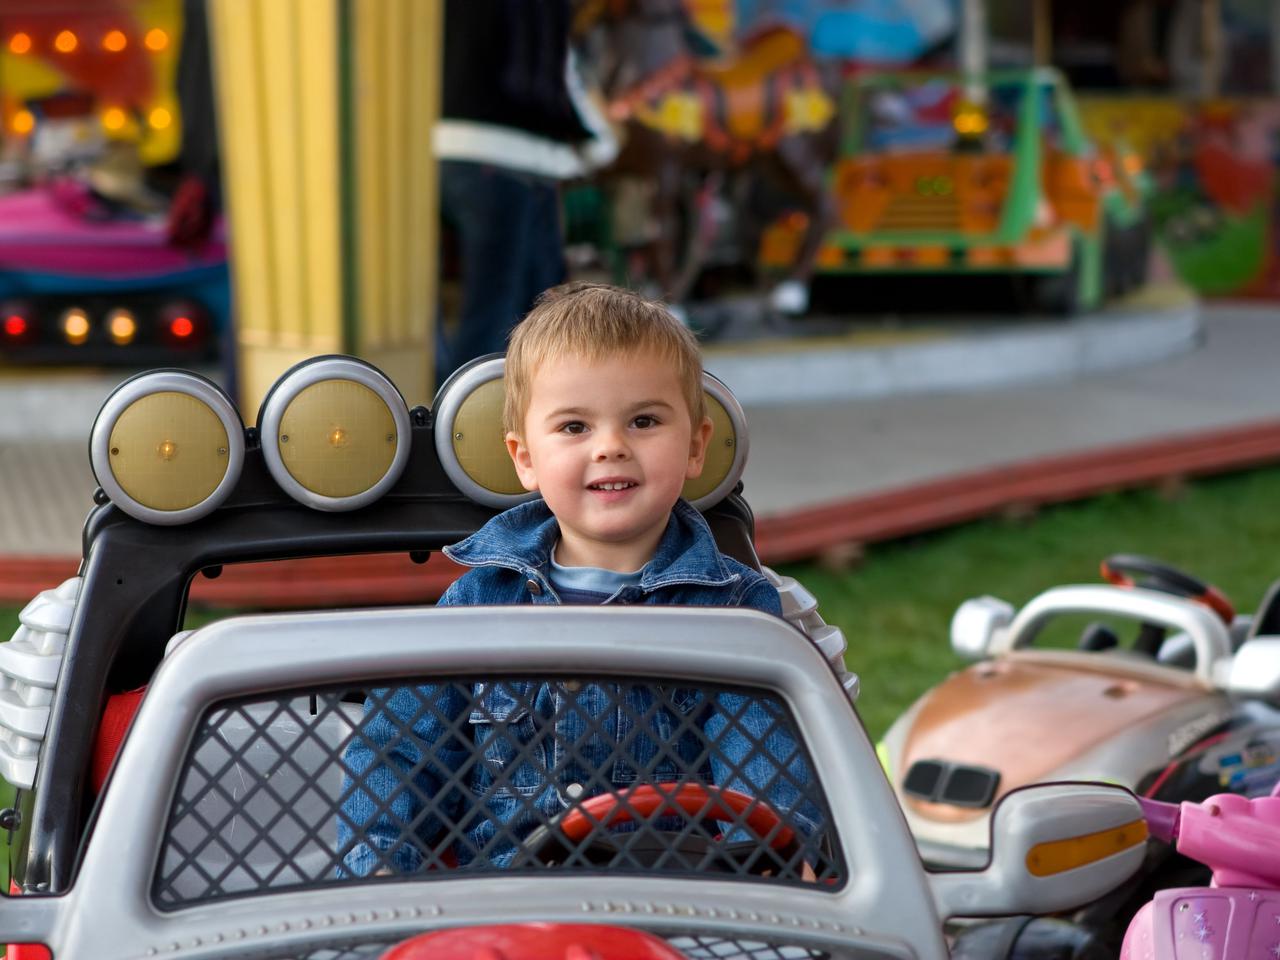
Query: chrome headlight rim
{"type": "Point", "coordinates": [460, 385]}
{"type": "Point", "coordinates": [144, 385]}
{"type": "Point", "coordinates": [715, 387]}
{"type": "Point", "coordinates": [318, 370]}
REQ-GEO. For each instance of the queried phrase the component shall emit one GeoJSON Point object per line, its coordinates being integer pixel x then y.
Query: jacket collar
{"type": "Point", "coordinates": [523, 537]}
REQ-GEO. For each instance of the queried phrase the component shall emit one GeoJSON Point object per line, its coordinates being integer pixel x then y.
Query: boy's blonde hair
{"type": "Point", "coordinates": [593, 321]}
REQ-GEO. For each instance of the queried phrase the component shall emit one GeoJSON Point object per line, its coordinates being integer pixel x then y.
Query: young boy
{"type": "Point", "coordinates": [605, 418]}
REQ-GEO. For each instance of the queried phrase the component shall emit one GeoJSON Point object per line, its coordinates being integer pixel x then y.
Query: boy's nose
{"type": "Point", "coordinates": [610, 445]}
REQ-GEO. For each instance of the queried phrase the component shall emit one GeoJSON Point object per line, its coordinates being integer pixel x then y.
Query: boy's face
{"type": "Point", "coordinates": [609, 445]}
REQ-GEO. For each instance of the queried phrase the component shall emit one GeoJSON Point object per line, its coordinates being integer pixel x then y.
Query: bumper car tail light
{"type": "Point", "coordinates": [121, 327]}
{"type": "Point", "coordinates": [183, 324]}
{"type": "Point", "coordinates": [75, 326]}
{"type": "Point", "coordinates": [17, 323]}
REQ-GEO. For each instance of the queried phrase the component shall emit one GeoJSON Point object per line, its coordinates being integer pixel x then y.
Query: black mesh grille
{"type": "Point", "coordinates": [721, 948]}
{"type": "Point", "coordinates": [360, 951]}
{"type": "Point", "coordinates": [301, 789]}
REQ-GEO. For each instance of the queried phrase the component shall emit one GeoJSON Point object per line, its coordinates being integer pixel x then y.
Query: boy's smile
{"type": "Point", "coordinates": [609, 445]}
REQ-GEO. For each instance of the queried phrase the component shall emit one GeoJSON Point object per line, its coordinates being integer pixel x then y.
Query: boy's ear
{"type": "Point", "coordinates": [523, 462]}
{"type": "Point", "coordinates": [698, 444]}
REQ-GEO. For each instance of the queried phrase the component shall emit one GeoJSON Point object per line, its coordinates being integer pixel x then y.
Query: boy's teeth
{"type": "Point", "coordinates": [613, 486]}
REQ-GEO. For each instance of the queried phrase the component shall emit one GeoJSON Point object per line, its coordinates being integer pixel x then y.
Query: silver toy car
{"type": "Point", "coordinates": [695, 776]}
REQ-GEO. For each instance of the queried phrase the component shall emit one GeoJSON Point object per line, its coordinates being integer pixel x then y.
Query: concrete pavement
{"type": "Point", "coordinates": [820, 452]}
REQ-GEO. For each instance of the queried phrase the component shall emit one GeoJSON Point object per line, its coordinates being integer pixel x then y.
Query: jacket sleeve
{"type": "Point", "coordinates": [383, 827]}
{"type": "Point", "coordinates": [759, 594]}
{"type": "Point", "coordinates": [458, 593]}
{"type": "Point", "coordinates": [402, 740]}
{"type": "Point", "coordinates": [755, 753]}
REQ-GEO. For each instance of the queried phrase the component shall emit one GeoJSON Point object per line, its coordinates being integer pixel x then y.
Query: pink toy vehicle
{"type": "Point", "coordinates": [1238, 916]}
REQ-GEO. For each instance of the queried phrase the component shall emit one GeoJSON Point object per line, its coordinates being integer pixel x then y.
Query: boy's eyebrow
{"type": "Point", "coordinates": [659, 402]}
{"type": "Point", "coordinates": [584, 411]}
{"type": "Point", "coordinates": [566, 412]}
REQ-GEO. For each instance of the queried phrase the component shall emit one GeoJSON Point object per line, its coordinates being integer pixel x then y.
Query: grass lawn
{"type": "Point", "coordinates": [895, 608]}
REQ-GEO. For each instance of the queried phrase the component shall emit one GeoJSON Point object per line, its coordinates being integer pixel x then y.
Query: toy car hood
{"type": "Point", "coordinates": [1003, 724]}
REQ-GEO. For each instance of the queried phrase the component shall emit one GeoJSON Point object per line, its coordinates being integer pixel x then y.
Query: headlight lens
{"type": "Point", "coordinates": [335, 433]}
{"type": "Point", "coordinates": [167, 447]}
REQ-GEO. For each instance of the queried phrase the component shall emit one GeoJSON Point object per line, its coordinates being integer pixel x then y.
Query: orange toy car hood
{"type": "Point", "coordinates": [1034, 716]}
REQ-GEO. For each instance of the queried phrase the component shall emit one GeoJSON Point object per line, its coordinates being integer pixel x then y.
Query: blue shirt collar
{"type": "Point", "coordinates": [523, 537]}
{"type": "Point", "coordinates": [591, 579]}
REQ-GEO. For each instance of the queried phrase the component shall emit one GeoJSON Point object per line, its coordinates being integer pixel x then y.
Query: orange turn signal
{"type": "Point", "coordinates": [1059, 856]}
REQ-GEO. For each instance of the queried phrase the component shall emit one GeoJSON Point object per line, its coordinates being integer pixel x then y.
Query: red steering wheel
{"type": "Point", "coordinates": [578, 828]}
{"type": "Point", "coordinates": [1123, 569]}
{"type": "Point", "coordinates": [696, 800]}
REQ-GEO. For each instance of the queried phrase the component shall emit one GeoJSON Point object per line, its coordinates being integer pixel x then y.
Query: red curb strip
{"type": "Point", "coordinates": [395, 579]}
{"type": "Point", "coordinates": [968, 496]}
{"type": "Point", "coordinates": [375, 579]}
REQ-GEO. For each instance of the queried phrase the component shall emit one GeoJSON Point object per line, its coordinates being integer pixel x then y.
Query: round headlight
{"type": "Point", "coordinates": [335, 433]}
{"type": "Point", "coordinates": [727, 454]}
{"type": "Point", "coordinates": [167, 447]}
{"type": "Point", "coordinates": [470, 441]}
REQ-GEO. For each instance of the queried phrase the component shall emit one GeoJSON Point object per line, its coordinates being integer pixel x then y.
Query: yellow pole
{"type": "Point", "coordinates": [395, 100]}
{"type": "Point", "coordinates": [329, 182]}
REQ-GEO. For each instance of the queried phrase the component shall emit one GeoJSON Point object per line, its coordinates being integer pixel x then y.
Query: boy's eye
{"type": "Point", "coordinates": [645, 421]}
{"type": "Point", "coordinates": [573, 427]}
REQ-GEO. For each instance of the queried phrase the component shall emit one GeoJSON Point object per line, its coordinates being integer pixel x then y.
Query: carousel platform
{"type": "Point", "coordinates": [857, 435]}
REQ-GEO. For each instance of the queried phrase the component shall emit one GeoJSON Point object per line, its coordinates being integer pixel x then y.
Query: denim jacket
{"type": "Point", "coordinates": [510, 557]}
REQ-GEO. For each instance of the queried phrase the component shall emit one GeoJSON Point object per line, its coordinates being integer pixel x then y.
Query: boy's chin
{"type": "Point", "coordinates": [618, 537]}
{"type": "Point", "coordinates": [621, 535]}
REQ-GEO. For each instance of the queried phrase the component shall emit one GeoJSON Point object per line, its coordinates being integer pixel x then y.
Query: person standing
{"type": "Point", "coordinates": [514, 123]}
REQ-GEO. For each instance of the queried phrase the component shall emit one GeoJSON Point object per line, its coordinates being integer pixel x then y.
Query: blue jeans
{"type": "Point", "coordinates": [509, 242]}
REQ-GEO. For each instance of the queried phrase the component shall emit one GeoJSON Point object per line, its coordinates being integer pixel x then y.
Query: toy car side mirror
{"type": "Point", "coordinates": [975, 622]}
{"type": "Point", "coordinates": [1255, 669]}
{"type": "Point", "coordinates": [1054, 846]}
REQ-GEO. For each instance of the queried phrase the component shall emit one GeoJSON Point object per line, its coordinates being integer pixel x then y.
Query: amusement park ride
{"type": "Point", "coordinates": [990, 174]}
{"type": "Point", "coordinates": [885, 172]}
{"type": "Point", "coordinates": [89, 267]}
{"type": "Point", "coordinates": [882, 174]}
{"type": "Point", "coordinates": [181, 793]}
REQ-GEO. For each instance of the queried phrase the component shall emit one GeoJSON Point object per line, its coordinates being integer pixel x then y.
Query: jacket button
{"type": "Point", "coordinates": [574, 791]}
{"type": "Point", "coordinates": [534, 586]}
{"type": "Point", "coordinates": [573, 686]}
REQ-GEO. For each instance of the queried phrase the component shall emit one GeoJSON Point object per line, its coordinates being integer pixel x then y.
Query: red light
{"type": "Point", "coordinates": [15, 325]}
{"type": "Point", "coordinates": [182, 327]}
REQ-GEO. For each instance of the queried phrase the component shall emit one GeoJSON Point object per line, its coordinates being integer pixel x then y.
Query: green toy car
{"type": "Point", "coordinates": [984, 175]}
